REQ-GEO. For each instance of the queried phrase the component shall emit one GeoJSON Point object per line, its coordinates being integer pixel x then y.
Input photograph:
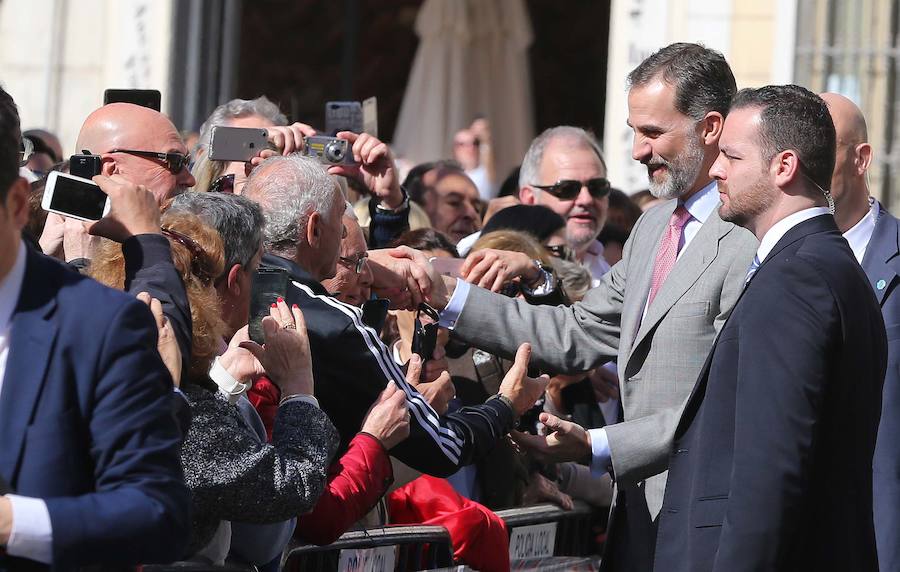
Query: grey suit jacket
{"type": "Point", "coordinates": [659, 356]}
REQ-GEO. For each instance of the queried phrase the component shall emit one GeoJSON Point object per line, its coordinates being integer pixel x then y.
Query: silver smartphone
{"type": "Point", "coordinates": [237, 143]}
{"type": "Point", "coordinates": [74, 197]}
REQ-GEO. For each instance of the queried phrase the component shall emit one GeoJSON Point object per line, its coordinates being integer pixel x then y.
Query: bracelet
{"type": "Point", "coordinates": [404, 204]}
{"type": "Point", "coordinates": [305, 397]}
{"type": "Point", "coordinates": [227, 384]}
{"type": "Point", "coordinates": [502, 398]}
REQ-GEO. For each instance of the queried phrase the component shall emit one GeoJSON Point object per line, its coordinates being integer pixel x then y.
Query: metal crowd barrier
{"type": "Point", "coordinates": [412, 547]}
{"type": "Point", "coordinates": [530, 529]}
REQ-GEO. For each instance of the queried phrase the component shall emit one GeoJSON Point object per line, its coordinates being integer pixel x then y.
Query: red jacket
{"type": "Point", "coordinates": [356, 481]}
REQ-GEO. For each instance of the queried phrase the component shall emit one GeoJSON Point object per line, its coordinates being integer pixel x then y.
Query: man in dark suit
{"type": "Point", "coordinates": [874, 236]}
{"type": "Point", "coordinates": [90, 452]}
{"type": "Point", "coordinates": [771, 466]}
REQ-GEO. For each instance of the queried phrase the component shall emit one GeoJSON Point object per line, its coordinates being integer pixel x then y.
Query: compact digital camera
{"type": "Point", "coordinates": [328, 150]}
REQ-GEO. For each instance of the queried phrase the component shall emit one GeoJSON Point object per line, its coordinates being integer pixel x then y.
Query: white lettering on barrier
{"type": "Point", "coordinates": [379, 559]}
{"type": "Point", "coordinates": [535, 541]}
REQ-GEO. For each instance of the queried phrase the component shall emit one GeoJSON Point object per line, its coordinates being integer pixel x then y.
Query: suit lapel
{"type": "Point", "coordinates": [32, 336]}
{"type": "Point", "coordinates": [881, 263]}
{"type": "Point", "coordinates": [687, 270]}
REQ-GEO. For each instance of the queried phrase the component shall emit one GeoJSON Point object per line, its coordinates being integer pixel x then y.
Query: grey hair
{"type": "Point", "coordinates": [239, 221]}
{"type": "Point", "coordinates": [575, 136]}
{"type": "Point", "coordinates": [289, 189]}
{"type": "Point", "coordinates": [235, 108]}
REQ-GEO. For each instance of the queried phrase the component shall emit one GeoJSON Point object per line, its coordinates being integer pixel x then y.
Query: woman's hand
{"type": "Point", "coordinates": [166, 344]}
{"type": "Point", "coordinates": [285, 357]}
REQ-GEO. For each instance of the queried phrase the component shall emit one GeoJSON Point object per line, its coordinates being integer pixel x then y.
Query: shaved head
{"type": "Point", "coordinates": [853, 154]}
{"type": "Point", "coordinates": [127, 126]}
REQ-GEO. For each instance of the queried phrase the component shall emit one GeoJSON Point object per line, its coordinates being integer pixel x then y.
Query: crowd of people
{"type": "Point", "coordinates": [710, 362]}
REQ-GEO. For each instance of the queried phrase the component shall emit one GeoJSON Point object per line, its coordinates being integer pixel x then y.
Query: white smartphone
{"type": "Point", "coordinates": [237, 143]}
{"type": "Point", "coordinates": [74, 197]}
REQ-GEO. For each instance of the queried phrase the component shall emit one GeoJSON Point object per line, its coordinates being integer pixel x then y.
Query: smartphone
{"type": "Point", "coordinates": [448, 266]}
{"type": "Point", "coordinates": [343, 116]}
{"type": "Point", "coordinates": [86, 165]}
{"type": "Point", "coordinates": [267, 285]}
{"type": "Point", "coordinates": [237, 143]}
{"type": "Point", "coordinates": [144, 97]}
{"type": "Point", "coordinates": [74, 197]}
{"type": "Point", "coordinates": [425, 332]}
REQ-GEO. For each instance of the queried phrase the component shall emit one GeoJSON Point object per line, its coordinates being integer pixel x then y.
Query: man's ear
{"type": "Point", "coordinates": [17, 202]}
{"type": "Point", "coordinates": [528, 196]}
{"type": "Point", "coordinates": [314, 229]}
{"type": "Point", "coordinates": [712, 127]}
{"type": "Point", "coordinates": [108, 166]}
{"type": "Point", "coordinates": [786, 168]}
{"type": "Point", "coordinates": [864, 158]}
{"type": "Point", "coordinates": [232, 280]}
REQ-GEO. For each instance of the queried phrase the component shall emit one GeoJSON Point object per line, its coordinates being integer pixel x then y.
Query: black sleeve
{"type": "Point", "coordinates": [385, 227]}
{"type": "Point", "coordinates": [149, 268]}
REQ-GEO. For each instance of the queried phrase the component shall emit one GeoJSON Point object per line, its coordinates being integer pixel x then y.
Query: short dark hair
{"type": "Point", "coordinates": [426, 239]}
{"type": "Point", "coordinates": [702, 78]}
{"type": "Point", "coordinates": [10, 143]}
{"type": "Point", "coordinates": [414, 182]}
{"type": "Point", "coordinates": [792, 117]}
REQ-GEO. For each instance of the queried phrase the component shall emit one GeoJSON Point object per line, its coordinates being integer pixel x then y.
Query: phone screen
{"type": "Point", "coordinates": [82, 199]}
{"type": "Point", "coordinates": [267, 286]}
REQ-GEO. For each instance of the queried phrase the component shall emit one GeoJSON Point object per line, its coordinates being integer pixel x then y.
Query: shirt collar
{"type": "Point", "coordinates": [858, 237]}
{"type": "Point", "coordinates": [11, 287]}
{"type": "Point", "coordinates": [702, 203]}
{"type": "Point", "coordinates": [780, 228]}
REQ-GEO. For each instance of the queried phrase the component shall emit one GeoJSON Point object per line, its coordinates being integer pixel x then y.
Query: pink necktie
{"type": "Point", "coordinates": [668, 250]}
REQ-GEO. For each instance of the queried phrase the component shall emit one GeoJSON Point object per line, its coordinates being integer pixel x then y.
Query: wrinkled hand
{"type": "Point", "coordinates": [605, 384]}
{"type": "Point", "coordinates": [238, 361]}
{"type": "Point", "coordinates": [376, 168]}
{"type": "Point", "coordinates": [289, 139]}
{"type": "Point", "coordinates": [388, 418]}
{"type": "Point", "coordinates": [438, 393]}
{"type": "Point", "coordinates": [541, 489]}
{"type": "Point", "coordinates": [491, 268]}
{"type": "Point", "coordinates": [566, 441]}
{"type": "Point", "coordinates": [520, 389]}
{"type": "Point", "coordinates": [402, 275]}
{"type": "Point", "coordinates": [133, 210]}
{"type": "Point", "coordinates": [166, 343]}
{"type": "Point", "coordinates": [285, 357]}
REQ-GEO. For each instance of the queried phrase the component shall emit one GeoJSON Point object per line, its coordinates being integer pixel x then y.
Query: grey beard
{"type": "Point", "coordinates": [683, 172]}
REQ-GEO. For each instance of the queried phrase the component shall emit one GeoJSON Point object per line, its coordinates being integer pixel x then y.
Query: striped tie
{"type": "Point", "coordinates": [754, 266]}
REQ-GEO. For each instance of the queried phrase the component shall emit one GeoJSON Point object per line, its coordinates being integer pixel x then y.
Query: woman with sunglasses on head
{"type": "Point", "coordinates": [231, 471]}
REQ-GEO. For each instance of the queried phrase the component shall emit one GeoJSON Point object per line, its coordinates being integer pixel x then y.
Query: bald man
{"type": "Point", "coordinates": [140, 144]}
{"type": "Point", "coordinates": [874, 236]}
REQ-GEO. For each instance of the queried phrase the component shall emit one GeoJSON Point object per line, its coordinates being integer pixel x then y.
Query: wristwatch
{"type": "Point", "coordinates": [545, 284]}
{"type": "Point", "coordinates": [404, 204]}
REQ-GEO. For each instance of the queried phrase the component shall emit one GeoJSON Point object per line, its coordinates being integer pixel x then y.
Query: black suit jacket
{"type": "Point", "coordinates": [771, 467]}
{"type": "Point", "coordinates": [882, 266]}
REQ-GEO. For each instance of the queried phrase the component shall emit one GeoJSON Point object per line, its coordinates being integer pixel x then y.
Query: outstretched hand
{"type": "Point", "coordinates": [566, 441]}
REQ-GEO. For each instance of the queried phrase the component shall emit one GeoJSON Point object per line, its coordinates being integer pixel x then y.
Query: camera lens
{"type": "Point", "coordinates": [334, 151]}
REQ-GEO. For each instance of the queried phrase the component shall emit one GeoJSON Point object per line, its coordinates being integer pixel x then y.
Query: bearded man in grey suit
{"type": "Point", "coordinates": [657, 311]}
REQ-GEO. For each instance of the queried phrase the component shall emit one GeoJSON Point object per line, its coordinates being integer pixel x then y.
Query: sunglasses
{"type": "Point", "coordinates": [357, 261]}
{"type": "Point", "coordinates": [567, 190]}
{"type": "Point", "coordinates": [175, 162]}
{"type": "Point", "coordinates": [224, 184]}
{"type": "Point", "coordinates": [561, 251]}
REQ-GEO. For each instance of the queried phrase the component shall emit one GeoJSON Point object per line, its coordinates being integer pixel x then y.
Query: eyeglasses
{"type": "Point", "coordinates": [224, 184]}
{"type": "Point", "coordinates": [175, 162]}
{"type": "Point", "coordinates": [567, 190]}
{"type": "Point", "coordinates": [357, 261]}
{"type": "Point", "coordinates": [561, 251]}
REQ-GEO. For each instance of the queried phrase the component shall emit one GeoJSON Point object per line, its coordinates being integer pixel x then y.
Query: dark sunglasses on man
{"type": "Point", "coordinates": [567, 189]}
{"type": "Point", "coordinates": [175, 162]}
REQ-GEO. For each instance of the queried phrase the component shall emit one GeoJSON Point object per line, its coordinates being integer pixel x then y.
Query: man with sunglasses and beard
{"type": "Point", "coordinates": [658, 310]}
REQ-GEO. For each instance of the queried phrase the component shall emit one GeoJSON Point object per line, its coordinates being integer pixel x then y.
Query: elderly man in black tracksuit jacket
{"type": "Point", "coordinates": [303, 209]}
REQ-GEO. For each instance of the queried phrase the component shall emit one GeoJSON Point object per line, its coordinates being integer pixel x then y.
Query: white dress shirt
{"type": "Point", "coordinates": [781, 228]}
{"type": "Point", "coordinates": [858, 237]}
{"type": "Point", "coordinates": [32, 534]}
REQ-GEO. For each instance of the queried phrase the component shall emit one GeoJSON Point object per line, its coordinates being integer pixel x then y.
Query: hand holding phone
{"type": "Point", "coordinates": [133, 210]}
{"type": "Point", "coordinates": [267, 286]}
{"type": "Point", "coordinates": [74, 197]}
